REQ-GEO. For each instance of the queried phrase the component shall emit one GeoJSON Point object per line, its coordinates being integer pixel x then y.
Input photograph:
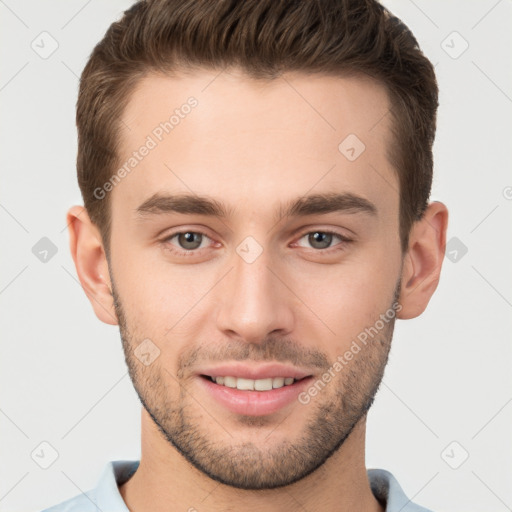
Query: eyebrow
{"type": "Point", "coordinates": [314, 204]}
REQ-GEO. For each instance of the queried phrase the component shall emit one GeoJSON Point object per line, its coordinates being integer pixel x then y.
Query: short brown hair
{"type": "Point", "coordinates": [264, 38]}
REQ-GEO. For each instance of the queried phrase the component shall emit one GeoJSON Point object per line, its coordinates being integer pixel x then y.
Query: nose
{"type": "Point", "coordinates": [254, 301]}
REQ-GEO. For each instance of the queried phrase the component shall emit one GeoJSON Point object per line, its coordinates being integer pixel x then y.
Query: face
{"type": "Point", "coordinates": [283, 263]}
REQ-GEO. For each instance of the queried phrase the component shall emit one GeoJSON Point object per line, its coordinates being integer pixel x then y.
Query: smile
{"type": "Point", "coordinates": [253, 384]}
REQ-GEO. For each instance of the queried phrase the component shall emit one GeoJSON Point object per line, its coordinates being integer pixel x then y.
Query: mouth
{"type": "Point", "coordinates": [243, 384]}
{"type": "Point", "coordinates": [253, 397]}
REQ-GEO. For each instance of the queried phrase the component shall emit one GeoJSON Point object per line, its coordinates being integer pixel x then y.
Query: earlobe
{"type": "Point", "coordinates": [423, 260]}
{"type": "Point", "coordinates": [91, 263]}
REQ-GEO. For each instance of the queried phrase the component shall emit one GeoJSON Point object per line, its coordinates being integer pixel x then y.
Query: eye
{"type": "Point", "coordinates": [186, 241]}
{"type": "Point", "coordinates": [189, 243]}
{"type": "Point", "coordinates": [322, 239]}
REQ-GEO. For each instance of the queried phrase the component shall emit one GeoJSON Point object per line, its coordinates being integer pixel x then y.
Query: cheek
{"type": "Point", "coordinates": [350, 297]}
{"type": "Point", "coordinates": [163, 302]}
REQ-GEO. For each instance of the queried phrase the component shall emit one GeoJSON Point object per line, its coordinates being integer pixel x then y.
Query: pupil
{"type": "Point", "coordinates": [324, 239]}
{"type": "Point", "coordinates": [190, 240]}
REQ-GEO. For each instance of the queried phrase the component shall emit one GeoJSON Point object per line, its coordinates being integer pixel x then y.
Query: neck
{"type": "Point", "coordinates": [164, 478]}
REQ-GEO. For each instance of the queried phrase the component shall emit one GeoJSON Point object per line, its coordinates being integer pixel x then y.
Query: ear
{"type": "Point", "coordinates": [423, 260]}
{"type": "Point", "coordinates": [91, 263]}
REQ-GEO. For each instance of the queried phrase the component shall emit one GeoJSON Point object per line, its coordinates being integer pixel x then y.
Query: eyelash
{"type": "Point", "coordinates": [338, 247]}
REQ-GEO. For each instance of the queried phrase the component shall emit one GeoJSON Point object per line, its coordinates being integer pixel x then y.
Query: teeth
{"type": "Point", "coordinates": [230, 382]}
{"type": "Point", "coordinates": [251, 385]}
{"type": "Point", "coordinates": [278, 382]}
{"type": "Point", "coordinates": [245, 384]}
{"type": "Point", "coordinates": [263, 384]}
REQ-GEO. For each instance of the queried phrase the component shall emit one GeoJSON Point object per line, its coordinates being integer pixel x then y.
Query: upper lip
{"type": "Point", "coordinates": [254, 372]}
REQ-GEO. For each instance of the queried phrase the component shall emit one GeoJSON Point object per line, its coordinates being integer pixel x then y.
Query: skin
{"type": "Point", "coordinates": [253, 146]}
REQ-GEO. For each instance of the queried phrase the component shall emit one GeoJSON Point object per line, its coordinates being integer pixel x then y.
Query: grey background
{"type": "Point", "coordinates": [447, 390]}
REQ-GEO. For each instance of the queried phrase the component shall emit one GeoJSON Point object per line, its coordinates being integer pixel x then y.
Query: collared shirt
{"type": "Point", "coordinates": [105, 497]}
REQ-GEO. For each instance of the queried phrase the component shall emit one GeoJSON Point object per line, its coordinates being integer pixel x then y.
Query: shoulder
{"type": "Point", "coordinates": [105, 496]}
{"type": "Point", "coordinates": [83, 502]}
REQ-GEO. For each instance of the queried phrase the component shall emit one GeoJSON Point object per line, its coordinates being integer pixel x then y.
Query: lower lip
{"type": "Point", "coordinates": [254, 403]}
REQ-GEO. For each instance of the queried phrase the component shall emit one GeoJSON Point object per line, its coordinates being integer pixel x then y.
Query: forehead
{"type": "Point", "coordinates": [255, 143]}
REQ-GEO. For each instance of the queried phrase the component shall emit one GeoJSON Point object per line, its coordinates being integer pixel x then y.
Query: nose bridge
{"type": "Point", "coordinates": [253, 302]}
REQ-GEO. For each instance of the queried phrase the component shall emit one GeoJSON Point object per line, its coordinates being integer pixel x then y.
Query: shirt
{"type": "Point", "coordinates": [105, 497]}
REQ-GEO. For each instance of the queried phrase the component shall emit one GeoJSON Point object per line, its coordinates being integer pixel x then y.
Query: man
{"type": "Point", "coordinates": [256, 177]}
